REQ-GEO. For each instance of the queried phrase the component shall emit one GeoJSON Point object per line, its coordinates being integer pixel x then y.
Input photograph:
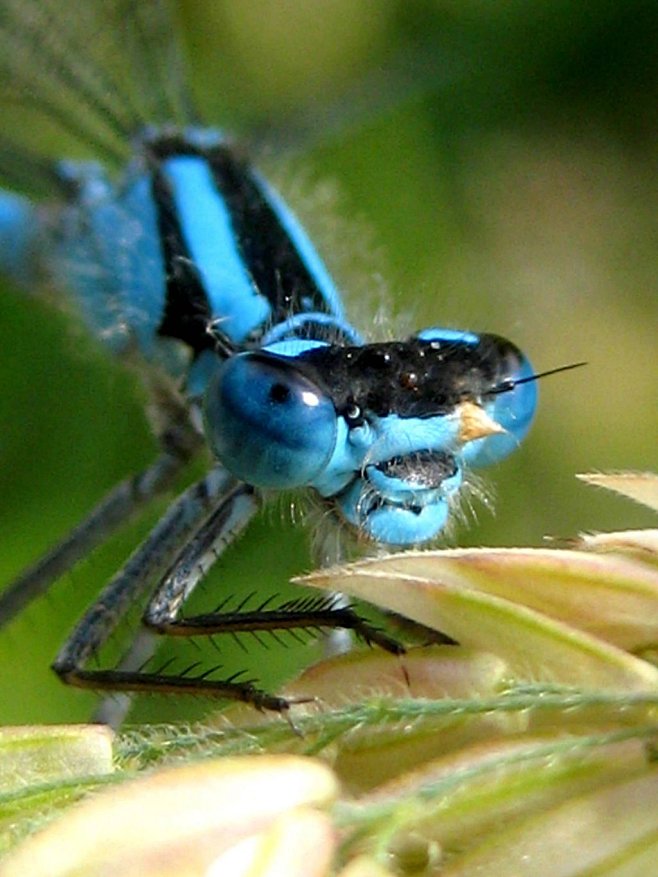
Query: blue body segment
{"type": "Point", "coordinates": [194, 262]}
{"type": "Point", "coordinates": [448, 336]}
{"type": "Point", "coordinates": [17, 220]}
{"type": "Point", "coordinates": [206, 221]}
{"type": "Point", "coordinates": [106, 251]}
{"type": "Point", "coordinates": [105, 248]}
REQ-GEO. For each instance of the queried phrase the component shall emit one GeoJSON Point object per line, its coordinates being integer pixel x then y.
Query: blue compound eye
{"type": "Point", "coordinates": [511, 402]}
{"type": "Point", "coordinates": [268, 423]}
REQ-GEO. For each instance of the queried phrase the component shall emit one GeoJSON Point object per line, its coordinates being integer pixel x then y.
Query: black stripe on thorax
{"type": "Point", "coordinates": [269, 255]}
{"type": "Point", "coordinates": [186, 313]}
{"type": "Point", "coordinates": [268, 252]}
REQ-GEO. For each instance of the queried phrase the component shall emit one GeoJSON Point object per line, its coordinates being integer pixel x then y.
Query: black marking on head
{"type": "Point", "coordinates": [412, 378]}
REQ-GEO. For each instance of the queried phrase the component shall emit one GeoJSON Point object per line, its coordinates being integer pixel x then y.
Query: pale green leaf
{"type": "Point", "coordinates": [586, 835]}
{"type": "Point", "coordinates": [46, 754]}
{"type": "Point", "coordinates": [639, 486]}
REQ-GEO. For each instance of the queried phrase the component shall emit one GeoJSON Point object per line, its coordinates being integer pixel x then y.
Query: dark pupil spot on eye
{"type": "Point", "coordinates": [279, 393]}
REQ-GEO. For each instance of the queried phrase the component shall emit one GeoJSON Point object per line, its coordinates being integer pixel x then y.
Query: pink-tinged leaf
{"type": "Point", "coordinates": [174, 822]}
{"type": "Point", "coordinates": [500, 601]}
{"type": "Point", "coordinates": [427, 671]}
{"type": "Point", "coordinates": [639, 486]}
{"type": "Point", "coordinates": [371, 754]}
{"type": "Point", "coordinates": [608, 596]}
{"type": "Point", "coordinates": [299, 843]}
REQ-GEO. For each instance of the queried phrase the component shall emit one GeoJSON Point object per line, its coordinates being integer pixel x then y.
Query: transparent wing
{"type": "Point", "coordinates": [96, 72]}
{"type": "Point", "coordinates": [25, 171]}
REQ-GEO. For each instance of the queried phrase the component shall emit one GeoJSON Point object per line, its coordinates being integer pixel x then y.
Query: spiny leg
{"type": "Point", "coordinates": [232, 511]}
{"type": "Point", "coordinates": [112, 709]}
{"type": "Point", "coordinates": [149, 561]}
{"type": "Point", "coordinates": [195, 555]}
{"type": "Point", "coordinates": [236, 508]}
{"type": "Point", "coordinates": [163, 611]}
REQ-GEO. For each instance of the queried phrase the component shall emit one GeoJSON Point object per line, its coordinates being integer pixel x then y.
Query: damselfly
{"type": "Point", "coordinates": [179, 255]}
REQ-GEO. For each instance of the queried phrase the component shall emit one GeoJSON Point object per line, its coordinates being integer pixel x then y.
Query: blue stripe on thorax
{"type": "Point", "coordinates": [254, 269]}
{"type": "Point", "coordinates": [207, 228]}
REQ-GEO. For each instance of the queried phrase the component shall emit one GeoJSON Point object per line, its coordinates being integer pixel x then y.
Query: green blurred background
{"type": "Point", "coordinates": [494, 163]}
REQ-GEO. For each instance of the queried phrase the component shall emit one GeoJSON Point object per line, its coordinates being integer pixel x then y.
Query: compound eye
{"type": "Point", "coordinates": [511, 403]}
{"type": "Point", "coordinates": [268, 423]}
{"type": "Point", "coordinates": [516, 397]}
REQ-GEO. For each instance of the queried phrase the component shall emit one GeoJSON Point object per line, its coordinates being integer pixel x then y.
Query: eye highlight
{"type": "Point", "coordinates": [268, 423]}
